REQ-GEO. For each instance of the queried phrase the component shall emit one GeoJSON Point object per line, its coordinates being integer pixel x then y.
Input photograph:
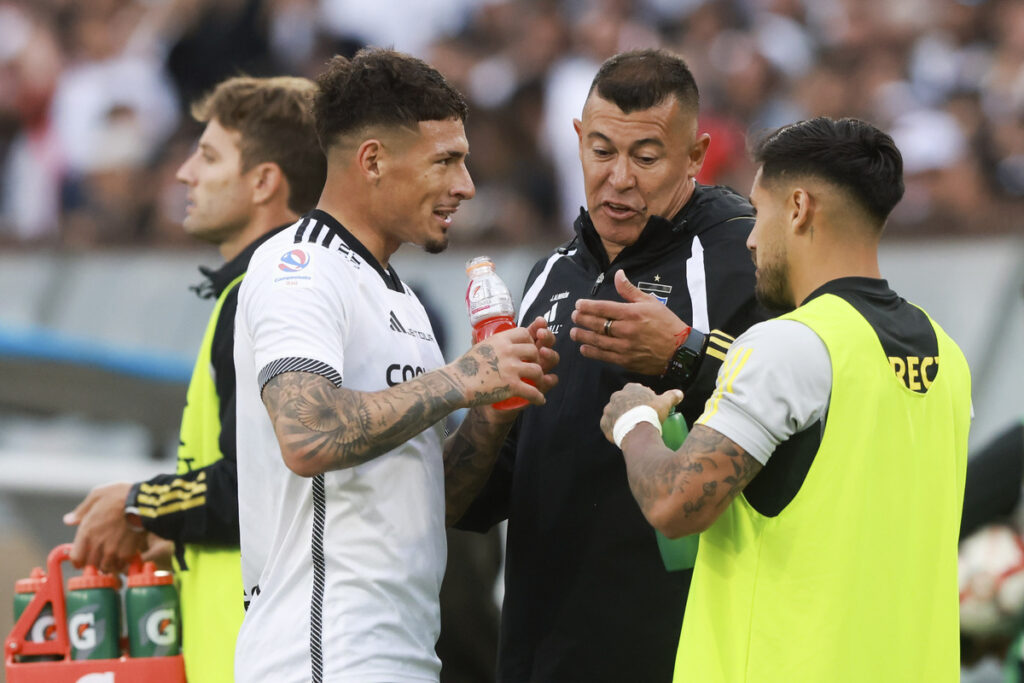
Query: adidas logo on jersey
{"type": "Point", "coordinates": [397, 326]}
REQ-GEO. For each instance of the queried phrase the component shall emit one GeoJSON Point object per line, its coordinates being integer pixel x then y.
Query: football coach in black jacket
{"type": "Point", "coordinates": [587, 595]}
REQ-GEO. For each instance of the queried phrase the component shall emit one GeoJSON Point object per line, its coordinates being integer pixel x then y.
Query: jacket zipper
{"type": "Point", "coordinates": [597, 283]}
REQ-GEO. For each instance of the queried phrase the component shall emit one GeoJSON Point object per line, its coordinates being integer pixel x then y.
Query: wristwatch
{"type": "Point", "coordinates": [685, 361]}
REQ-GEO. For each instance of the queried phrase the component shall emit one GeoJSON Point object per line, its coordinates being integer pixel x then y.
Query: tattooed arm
{"type": "Point", "coordinates": [322, 427]}
{"type": "Point", "coordinates": [681, 492]}
{"type": "Point", "coordinates": [470, 453]}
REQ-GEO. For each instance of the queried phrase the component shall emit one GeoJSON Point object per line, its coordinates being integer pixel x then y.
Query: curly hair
{"type": "Point", "coordinates": [381, 87]}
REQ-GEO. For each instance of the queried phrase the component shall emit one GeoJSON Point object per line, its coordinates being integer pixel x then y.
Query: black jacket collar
{"type": "Point", "coordinates": [217, 280]}
{"type": "Point", "coordinates": [707, 207]}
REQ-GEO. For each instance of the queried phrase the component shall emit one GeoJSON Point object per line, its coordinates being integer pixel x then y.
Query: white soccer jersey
{"type": "Point", "coordinates": [342, 570]}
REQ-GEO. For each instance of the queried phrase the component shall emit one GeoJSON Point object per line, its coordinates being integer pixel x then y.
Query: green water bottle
{"type": "Point", "coordinates": [676, 553]}
{"type": "Point", "coordinates": [44, 628]}
{"type": "Point", "coordinates": [94, 615]}
{"type": "Point", "coordinates": [151, 606]}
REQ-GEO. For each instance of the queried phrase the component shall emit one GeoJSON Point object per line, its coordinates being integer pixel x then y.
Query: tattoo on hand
{"type": "Point", "coordinates": [490, 357]}
{"type": "Point", "coordinates": [468, 366]}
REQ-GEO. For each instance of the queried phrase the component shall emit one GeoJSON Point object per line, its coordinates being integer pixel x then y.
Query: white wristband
{"type": "Point", "coordinates": [631, 418]}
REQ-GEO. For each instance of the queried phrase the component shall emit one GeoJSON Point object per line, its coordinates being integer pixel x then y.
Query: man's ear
{"type": "Point", "coordinates": [370, 159]}
{"type": "Point", "coordinates": [802, 207]}
{"type": "Point", "coordinates": [698, 153]}
{"type": "Point", "coordinates": [578, 126]}
{"type": "Point", "coordinates": [268, 180]}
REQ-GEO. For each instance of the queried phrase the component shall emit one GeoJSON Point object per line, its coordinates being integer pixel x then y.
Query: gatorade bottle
{"type": "Point", "coordinates": [151, 608]}
{"type": "Point", "coordinates": [677, 553]}
{"type": "Point", "coordinates": [44, 628]}
{"type": "Point", "coordinates": [94, 615]}
{"type": "Point", "coordinates": [490, 310]}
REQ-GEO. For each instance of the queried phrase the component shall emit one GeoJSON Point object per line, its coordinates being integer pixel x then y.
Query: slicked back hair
{"type": "Point", "coordinates": [381, 87]}
{"type": "Point", "coordinates": [849, 153]}
{"type": "Point", "coordinates": [641, 79]}
{"type": "Point", "coordinates": [274, 119]}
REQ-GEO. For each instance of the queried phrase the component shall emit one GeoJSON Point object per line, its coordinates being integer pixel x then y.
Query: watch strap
{"type": "Point", "coordinates": [686, 359]}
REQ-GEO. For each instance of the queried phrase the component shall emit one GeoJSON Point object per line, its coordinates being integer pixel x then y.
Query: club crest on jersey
{"type": "Point", "coordinates": [660, 291]}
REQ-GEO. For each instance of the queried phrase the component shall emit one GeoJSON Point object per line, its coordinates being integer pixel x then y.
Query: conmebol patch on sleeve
{"type": "Point", "coordinates": [292, 269]}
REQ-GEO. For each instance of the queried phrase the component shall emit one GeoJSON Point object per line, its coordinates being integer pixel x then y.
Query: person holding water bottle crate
{"type": "Point", "coordinates": [345, 486]}
{"type": "Point", "coordinates": [255, 169]}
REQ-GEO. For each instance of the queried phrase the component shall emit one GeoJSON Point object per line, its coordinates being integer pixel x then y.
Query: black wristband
{"type": "Point", "coordinates": [685, 361]}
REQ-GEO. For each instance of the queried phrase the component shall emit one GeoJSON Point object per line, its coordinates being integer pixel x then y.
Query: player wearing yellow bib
{"type": "Point", "coordinates": [257, 167]}
{"type": "Point", "coordinates": [827, 470]}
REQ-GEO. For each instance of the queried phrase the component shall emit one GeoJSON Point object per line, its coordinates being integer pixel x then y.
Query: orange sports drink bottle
{"type": "Point", "coordinates": [490, 310]}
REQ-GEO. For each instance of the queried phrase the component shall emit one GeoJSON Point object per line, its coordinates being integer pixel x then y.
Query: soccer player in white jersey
{"type": "Point", "coordinates": [345, 485]}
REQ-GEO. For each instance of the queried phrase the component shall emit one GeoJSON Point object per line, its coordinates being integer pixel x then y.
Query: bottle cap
{"type": "Point", "coordinates": [150, 576]}
{"type": "Point", "coordinates": [32, 584]}
{"type": "Point", "coordinates": [479, 262]}
{"type": "Point", "coordinates": [93, 578]}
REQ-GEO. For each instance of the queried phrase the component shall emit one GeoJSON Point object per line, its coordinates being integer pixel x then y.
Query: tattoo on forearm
{"type": "Point", "coordinates": [656, 476]}
{"type": "Point", "coordinates": [339, 428]}
{"type": "Point", "coordinates": [469, 456]}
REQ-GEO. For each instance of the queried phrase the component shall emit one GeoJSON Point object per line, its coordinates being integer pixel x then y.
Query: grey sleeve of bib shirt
{"type": "Point", "coordinates": [775, 382]}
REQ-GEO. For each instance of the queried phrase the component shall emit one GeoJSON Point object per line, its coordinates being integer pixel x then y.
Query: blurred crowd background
{"type": "Point", "coordinates": [94, 97]}
{"type": "Point", "coordinates": [94, 123]}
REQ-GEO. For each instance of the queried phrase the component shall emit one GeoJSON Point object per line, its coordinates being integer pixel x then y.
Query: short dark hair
{"type": "Point", "coordinates": [381, 87]}
{"type": "Point", "coordinates": [274, 117]}
{"type": "Point", "coordinates": [849, 153]}
{"type": "Point", "coordinates": [641, 79]}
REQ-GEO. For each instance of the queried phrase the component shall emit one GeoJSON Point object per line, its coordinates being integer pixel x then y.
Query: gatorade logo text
{"type": "Point", "coordinates": [82, 627]}
{"type": "Point", "coordinates": [916, 373]}
{"type": "Point", "coordinates": [160, 626]}
{"type": "Point", "coordinates": [104, 677]}
{"type": "Point", "coordinates": [44, 629]}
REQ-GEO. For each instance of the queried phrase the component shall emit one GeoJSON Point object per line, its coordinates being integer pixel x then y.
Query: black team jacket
{"type": "Point", "coordinates": [587, 596]}
{"type": "Point", "coordinates": [210, 514]}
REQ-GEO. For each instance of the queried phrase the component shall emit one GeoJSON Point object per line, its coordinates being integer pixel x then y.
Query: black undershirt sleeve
{"type": "Point", "coordinates": [994, 478]}
{"type": "Point", "coordinates": [201, 505]}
